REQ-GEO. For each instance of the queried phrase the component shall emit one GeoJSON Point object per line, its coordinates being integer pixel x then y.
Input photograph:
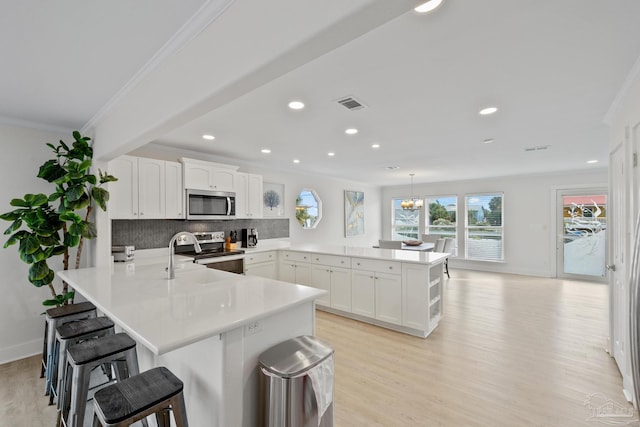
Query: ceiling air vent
{"type": "Point", "coordinates": [538, 148]}
{"type": "Point", "coordinates": [351, 103]}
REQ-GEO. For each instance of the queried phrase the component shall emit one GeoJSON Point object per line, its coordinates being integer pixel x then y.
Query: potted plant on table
{"type": "Point", "coordinates": [44, 231]}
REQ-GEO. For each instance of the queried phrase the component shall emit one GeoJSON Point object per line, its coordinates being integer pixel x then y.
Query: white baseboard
{"type": "Point", "coordinates": [20, 351]}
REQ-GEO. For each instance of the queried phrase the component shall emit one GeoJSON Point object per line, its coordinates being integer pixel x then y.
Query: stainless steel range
{"type": "Point", "coordinates": [213, 255]}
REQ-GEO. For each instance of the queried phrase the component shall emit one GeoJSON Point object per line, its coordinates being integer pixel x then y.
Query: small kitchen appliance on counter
{"type": "Point", "coordinates": [249, 237]}
{"type": "Point", "coordinates": [123, 253]}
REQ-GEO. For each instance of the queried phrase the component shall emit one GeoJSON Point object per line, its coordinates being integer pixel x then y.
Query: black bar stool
{"type": "Point", "coordinates": [156, 391]}
{"type": "Point", "coordinates": [55, 317]}
{"type": "Point", "coordinates": [81, 359]}
{"type": "Point", "coordinates": [69, 334]}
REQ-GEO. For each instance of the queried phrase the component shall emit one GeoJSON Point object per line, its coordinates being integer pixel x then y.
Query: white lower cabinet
{"type": "Point", "coordinates": [261, 264]}
{"type": "Point", "coordinates": [336, 281]}
{"type": "Point", "coordinates": [294, 267]}
{"type": "Point", "coordinates": [389, 298]}
{"type": "Point", "coordinates": [363, 293]}
{"type": "Point", "coordinates": [377, 289]}
{"type": "Point", "coordinates": [402, 296]}
{"type": "Point", "coordinates": [333, 274]}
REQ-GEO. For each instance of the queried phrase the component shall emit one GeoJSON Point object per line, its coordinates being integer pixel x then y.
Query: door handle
{"type": "Point", "coordinates": [610, 267]}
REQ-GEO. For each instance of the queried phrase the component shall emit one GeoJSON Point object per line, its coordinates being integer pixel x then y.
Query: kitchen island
{"type": "Point", "coordinates": [395, 289]}
{"type": "Point", "coordinates": [207, 326]}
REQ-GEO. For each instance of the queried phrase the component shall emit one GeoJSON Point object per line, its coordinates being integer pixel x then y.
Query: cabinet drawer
{"type": "Point", "coordinates": [254, 258]}
{"type": "Point", "coordinates": [332, 260]}
{"type": "Point", "coordinates": [295, 256]}
{"type": "Point", "coordinates": [377, 265]}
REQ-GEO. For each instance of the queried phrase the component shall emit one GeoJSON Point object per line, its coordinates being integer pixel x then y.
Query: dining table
{"type": "Point", "coordinates": [422, 247]}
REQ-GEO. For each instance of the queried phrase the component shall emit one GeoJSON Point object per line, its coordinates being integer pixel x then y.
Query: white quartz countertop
{"type": "Point", "coordinates": [373, 253]}
{"type": "Point", "coordinates": [199, 303]}
{"type": "Point", "coordinates": [351, 251]}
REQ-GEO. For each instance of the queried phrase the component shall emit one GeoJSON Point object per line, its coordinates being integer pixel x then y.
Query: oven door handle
{"type": "Point", "coordinates": [213, 260]}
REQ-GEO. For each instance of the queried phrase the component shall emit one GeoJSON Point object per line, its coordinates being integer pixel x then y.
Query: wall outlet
{"type": "Point", "coordinates": [252, 328]}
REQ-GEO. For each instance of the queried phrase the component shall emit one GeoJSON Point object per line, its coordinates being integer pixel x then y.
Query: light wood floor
{"type": "Point", "coordinates": [511, 351]}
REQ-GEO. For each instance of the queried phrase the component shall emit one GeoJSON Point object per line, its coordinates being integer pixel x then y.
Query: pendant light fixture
{"type": "Point", "coordinates": [412, 203]}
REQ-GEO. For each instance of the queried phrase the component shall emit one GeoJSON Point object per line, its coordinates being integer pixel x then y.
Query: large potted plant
{"type": "Point", "coordinates": [43, 230]}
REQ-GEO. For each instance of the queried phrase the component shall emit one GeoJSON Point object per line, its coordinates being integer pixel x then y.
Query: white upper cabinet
{"type": "Point", "coordinates": [146, 189]}
{"type": "Point", "coordinates": [248, 195]}
{"type": "Point", "coordinates": [174, 190]}
{"type": "Point", "coordinates": [123, 193]}
{"type": "Point", "coordinates": [199, 175]}
{"type": "Point", "coordinates": [151, 189]}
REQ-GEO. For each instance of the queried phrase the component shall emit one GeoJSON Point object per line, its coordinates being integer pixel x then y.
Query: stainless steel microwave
{"type": "Point", "coordinates": [203, 204]}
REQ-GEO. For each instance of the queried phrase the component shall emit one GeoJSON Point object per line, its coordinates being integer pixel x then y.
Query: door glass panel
{"type": "Point", "coordinates": [584, 234]}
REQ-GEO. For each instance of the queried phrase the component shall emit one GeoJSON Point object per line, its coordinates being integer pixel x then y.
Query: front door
{"type": "Point", "coordinates": [582, 226]}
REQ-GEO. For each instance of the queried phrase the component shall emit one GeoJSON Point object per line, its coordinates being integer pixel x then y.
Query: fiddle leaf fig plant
{"type": "Point", "coordinates": [43, 230]}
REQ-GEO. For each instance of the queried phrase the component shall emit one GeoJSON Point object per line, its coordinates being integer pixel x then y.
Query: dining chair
{"type": "Point", "coordinates": [390, 244]}
{"type": "Point", "coordinates": [449, 246]}
{"type": "Point", "coordinates": [430, 238]}
{"type": "Point", "coordinates": [439, 245]}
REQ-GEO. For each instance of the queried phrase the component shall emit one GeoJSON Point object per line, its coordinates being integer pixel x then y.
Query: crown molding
{"type": "Point", "coordinates": [208, 13]}
{"type": "Point", "coordinates": [44, 127]}
{"type": "Point", "coordinates": [622, 94]}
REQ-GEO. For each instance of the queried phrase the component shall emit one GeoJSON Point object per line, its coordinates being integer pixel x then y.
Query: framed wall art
{"type": "Point", "coordinates": [273, 199]}
{"type": "Point", "coordinates": [353, 213]}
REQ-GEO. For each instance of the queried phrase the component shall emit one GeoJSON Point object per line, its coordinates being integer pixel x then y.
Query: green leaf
{"type": "Point", "coordinates": [91, 179]}
{"type": "Point", "coordinates": [90, 231]}
{"type": "Point", "coordinates": [11, 216]}
{"type": "Point", "coordinates": [101, 196]}
{"type": "Point", "coordinates": [51, 171]}
{"type": "Point", "coordinates": [16, 237]}
{"type": "Point", "coordinates": [29, 244]}
{"type": "Point", "coordinates": [65, 146]}
{"type": "Point", "coordinates": [105, 177]}
{"type": "Point", "coordinates": [74, 193]}
{"type": "Point", "coordinates": [39, 271]}
{"type": "Point", "coordinates": [70, 216]}
{"type": "Point", "coordinates": [19, 202]}
{"type": "Point", "coordinates": [50, 302]}
{"type": "Point", "coordinates": [59, 250]}
{"type": "Point", "coordinates": [77, 229]}
{"type": "Point", "coordinates": [71, 240]}
{"type": "Point", "coordinates": [14, 226]}
{"type": "Point", "coordinates": [36, 200]}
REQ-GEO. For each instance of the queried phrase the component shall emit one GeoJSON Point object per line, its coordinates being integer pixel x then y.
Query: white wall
{"type": "Point", "coordinates": [624, 134]}
{"type": "Point", "coordinates": [21, 325]}
{"type": "Point", "coordinates": [528, 216]}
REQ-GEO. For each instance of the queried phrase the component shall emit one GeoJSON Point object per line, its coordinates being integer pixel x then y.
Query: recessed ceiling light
{"type": "Point", "coordinates": [208, 137]}
{"type": "Point", "coordinates": [265, 150]}
{"type": "Point", "coordinates": [375, 145]}
{"type": "Point", "coordinates": [488, 140]}
{"type": "Point", "coordinates": [592, 161]}
{"type": "Point", "coordinates": [296, 161]}
{"type": "Point", "coordinates": [428, 6]}
{"type": "Point", "coordinates": [331, 154]}
{"type": "Point", "coordinates": [351, 131]}
{"type": "Point", "coordinates": [488, 110]}
{"type": "Point", "coordinates": [296, 105]}
{"type": "Point", "coordinates": [392, 168]}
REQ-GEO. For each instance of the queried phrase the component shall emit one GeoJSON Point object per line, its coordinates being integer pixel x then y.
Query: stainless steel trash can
{"type": "Point", "coordinates": [296, 384]}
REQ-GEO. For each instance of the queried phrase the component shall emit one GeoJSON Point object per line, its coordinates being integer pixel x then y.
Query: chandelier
{"type": "Point", "coordinates": [412, 203]}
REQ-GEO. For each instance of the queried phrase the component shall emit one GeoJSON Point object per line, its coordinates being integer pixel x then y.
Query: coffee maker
{"type": "Point", "coordinates": [249, 237]}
